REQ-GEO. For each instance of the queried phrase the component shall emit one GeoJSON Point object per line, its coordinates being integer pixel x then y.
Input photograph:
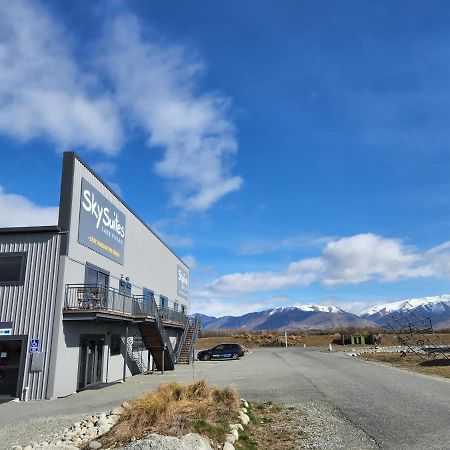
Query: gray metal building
{"type": "Point", "coordinates": [93, 300]}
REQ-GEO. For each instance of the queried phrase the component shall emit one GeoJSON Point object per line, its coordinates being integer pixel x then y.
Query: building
{"type": "Point", "coordinates": [95, 299]}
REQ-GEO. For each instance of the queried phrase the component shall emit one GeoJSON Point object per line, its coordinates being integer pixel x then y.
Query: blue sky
{"type": "Point", "coordinates": [293, 152]}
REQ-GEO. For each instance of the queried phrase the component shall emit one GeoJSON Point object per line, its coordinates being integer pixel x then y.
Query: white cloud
{"type": "Point", "coordinates": [43, 92]}
{"type": "Point", "coordinates": [133, 82]}
{"type": "Point", "coordinates": [218, 308]}
{"type": "Point", "coordinates": [156, 85]}
{"type": "Point", "coordinates": [346, 261]}
{"type": "Point", "coordinates": [268, 246]}
{"type": "Point", "coordinates": [365, 257]}
{"type": "Point", "coordinates": [18, 211]}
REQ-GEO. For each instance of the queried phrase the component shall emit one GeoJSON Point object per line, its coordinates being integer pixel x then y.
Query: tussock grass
{"type": "Point", "coordinates": [176, 409]}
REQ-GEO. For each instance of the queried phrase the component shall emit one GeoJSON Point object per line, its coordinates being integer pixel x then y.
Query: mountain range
{"type": "Point", "coordinates": [319, 317]}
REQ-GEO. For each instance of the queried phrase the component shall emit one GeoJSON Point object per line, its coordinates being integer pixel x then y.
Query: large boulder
{"type": "Point", "coordinates": [153, 441]}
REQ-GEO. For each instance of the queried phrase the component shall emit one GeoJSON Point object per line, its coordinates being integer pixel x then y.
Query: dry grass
{"type": "Point", "coordinates": [176, 409]}
{"type": "Point", "coordinates": [271, 428]}
{"type": "Point", "coordinates": [295, 339]}
{"type": "Point", "coordinates": [439, 367]}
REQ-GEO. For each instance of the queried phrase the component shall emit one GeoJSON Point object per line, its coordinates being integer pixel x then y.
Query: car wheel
{"type": "Point", "coordinates": [234, 356]}
{"type": "Point", "coordinates": [206, 357]}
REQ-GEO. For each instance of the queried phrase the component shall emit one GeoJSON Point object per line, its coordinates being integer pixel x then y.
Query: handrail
{"type": "Point", "coordinates": [84, 297]}
{"type": "Point", "coordinates": [194, 336]}
{"type": "Point", "coordinates": [165, 339]}
{"type": "Point", "coordinates": [182, 339]}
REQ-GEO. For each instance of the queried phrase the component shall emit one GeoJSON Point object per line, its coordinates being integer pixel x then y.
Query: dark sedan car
{"type": "Point", "coordinates": [222, 351]}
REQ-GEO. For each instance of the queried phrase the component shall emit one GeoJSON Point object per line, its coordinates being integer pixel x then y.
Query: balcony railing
{"type": "Point", "coordinates": [84, 297]}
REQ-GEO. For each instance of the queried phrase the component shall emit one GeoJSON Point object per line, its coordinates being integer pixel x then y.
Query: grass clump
{"type": "Point", "coordinates": [176, 409]}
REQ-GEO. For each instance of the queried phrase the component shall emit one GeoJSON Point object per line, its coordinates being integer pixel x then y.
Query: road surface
{"type": "Point", "coordinates": [398, 409]}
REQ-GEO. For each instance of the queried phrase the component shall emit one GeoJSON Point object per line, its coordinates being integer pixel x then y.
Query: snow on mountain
{"type": "Point", "coordinates": [406, 305]}
{"type": "Point", "coordinates": [288, 317]}
{"type": "Point", "coordinates": [435, 308]}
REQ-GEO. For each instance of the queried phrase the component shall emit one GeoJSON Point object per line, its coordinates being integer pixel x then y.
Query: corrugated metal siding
{"type": "Point", "coordinates": [31, 306]}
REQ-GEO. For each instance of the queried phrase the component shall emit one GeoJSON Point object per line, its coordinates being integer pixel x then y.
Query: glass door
{"type": "Point", "coordinates": [91, 361]}
{"type": "Point", "coordinates": [10, 353]}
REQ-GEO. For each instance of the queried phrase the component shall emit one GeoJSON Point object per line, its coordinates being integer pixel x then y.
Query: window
{"type": "Point", "coordinates": [148, 294]}
{"type": "Point", "coordinates": [183, 309]}
{"type": "Point", "coordinates": [175, 306]}
{"type": "Point", "coordinates": [115, 344]}
{"type": "Point", "coordinates": [12, 268]}
{"type": "Point", "coordinates": [125, 286]}
{"type": "Point", "coordinates": [163, 301]}
{"type": "Point", "coordinates": [96, 276]}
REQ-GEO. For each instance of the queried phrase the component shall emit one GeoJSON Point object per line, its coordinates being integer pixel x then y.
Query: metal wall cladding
{"type": "Point", "coordinates": [31, 307]}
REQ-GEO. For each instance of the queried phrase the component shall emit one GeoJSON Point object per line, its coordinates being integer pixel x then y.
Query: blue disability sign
{"type": "Point", "coordinates": [34, 345]}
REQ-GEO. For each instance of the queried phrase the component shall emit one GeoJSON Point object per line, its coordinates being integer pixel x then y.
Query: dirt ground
{"type": "Point", "coordinates": [273, 339]}
{"type": "Point", "coordinates": [439, 367]}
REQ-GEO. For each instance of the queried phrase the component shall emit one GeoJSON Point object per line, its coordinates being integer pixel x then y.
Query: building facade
{"type": "Point", "coordinates": [93, 300]}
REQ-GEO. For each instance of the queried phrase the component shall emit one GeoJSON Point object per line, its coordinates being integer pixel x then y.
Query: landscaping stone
{"type": "Point", "coordinates": [153, 441]}
{"type": "Point", "coordinates": [228, 446]}
{"type": "Point", "coordinates": [230, 438]}
{"type": "Point", "coordinates": [94, 445]}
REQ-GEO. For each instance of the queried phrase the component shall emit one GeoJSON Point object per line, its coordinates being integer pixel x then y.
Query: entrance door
{"type": "Point", "coordinates": [91, 361]}
{"type": "Point", "coordinates": [10, 364]}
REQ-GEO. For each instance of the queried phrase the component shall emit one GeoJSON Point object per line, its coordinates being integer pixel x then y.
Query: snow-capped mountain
{"type": "Point", "coordinates": [300, 316]}
{"type": "Point", "coordinates": [436, 308]}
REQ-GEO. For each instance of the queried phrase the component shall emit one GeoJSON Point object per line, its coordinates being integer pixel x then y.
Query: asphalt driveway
{"type": "Point", "coordinates": [398, 409]}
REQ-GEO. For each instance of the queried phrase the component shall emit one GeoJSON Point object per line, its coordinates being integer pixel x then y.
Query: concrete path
{"type": "Point", "coordinates": [399, 409]}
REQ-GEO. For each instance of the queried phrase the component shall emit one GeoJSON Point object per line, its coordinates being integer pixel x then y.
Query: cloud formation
{"type": "Point", "coordinates": [136, 80]}
{"type": "Point", "coordinates": [43, 91]}
{"type": "Point", "coordinates": [263, 247]}
{"type": "Point", "coordinates": [156, 84]}
{"type": "Point", "coordinates": [18, 211]}
{"type": "Point", "coordinates": [346, 261]}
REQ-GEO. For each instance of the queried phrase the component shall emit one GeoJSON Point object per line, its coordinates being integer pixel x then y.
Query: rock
{"type": "Point", "coordinates": [154, 441]}
{"type": "Point", "coordinates": [28, 447]}
{"type": "Point", "coordinates": [235, 433]}
{"type": "Point", "coordinates": [244, 418]}
{"type": "Point", "coordinates": [228, 446]}
{"type": "Point", "coordinates": [118, 411]}
{"type": "Point", "coordinates": [104, 429]}
{"type": "Point", "coordinates": [126, 405]}
{"type": "Point", "coordinates": [101, 422]}
{"type": "Point", "coordinates": [244, 402]}
{"type": "Point", "coordinates": [18, 447]}
{"type": "Point", "coordinates": [94, 445]}
{"type": "Point", "coordinates": [240, 427]}
{"type": "Point", "coordinates": [244, 410]}
{"type": "Point", "coordinates": [230, 438]}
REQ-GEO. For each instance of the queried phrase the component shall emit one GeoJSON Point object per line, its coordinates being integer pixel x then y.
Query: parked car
{"type": "Point", "coordinates": [222, 351]}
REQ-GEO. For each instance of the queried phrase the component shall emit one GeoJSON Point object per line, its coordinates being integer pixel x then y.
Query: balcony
{"type": "Point", "coordinates": [84, 301]}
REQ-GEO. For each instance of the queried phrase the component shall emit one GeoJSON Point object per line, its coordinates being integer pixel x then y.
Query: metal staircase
{"type": "Point", "coordinates": [158, 343]}
{"type": "Point", "coordinates": [188, 341]}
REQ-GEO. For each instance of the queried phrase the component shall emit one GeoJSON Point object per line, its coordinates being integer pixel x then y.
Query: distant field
{"type": "Point", "coordinates": [411, 362]}
{"type": "Point", "coordinates": [273, 339]}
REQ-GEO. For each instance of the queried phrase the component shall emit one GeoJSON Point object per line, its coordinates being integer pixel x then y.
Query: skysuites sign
{"type": "Point", "coordinates": [182, 282]}
{"type": "Point", "coordinates": [102, 225]}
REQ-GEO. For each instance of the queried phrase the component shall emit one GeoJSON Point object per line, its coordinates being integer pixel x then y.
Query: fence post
{"type": "Point", "coordinates": [162, 361]}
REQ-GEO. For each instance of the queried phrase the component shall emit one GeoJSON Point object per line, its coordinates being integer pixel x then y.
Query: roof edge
{"type": "Point", "coordinates": [29, 230]}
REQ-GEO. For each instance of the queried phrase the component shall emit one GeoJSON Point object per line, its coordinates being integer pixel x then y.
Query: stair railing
{"type": "Point", "coordinates": [197, 325]}
{"type": "Point", "coordinates": [182, 340]}
{"type": "Point", "coordinates": [162, 332]}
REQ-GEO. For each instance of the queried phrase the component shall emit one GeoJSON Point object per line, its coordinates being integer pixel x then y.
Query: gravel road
{"type": "Point", "coordinates": [398, 409]}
